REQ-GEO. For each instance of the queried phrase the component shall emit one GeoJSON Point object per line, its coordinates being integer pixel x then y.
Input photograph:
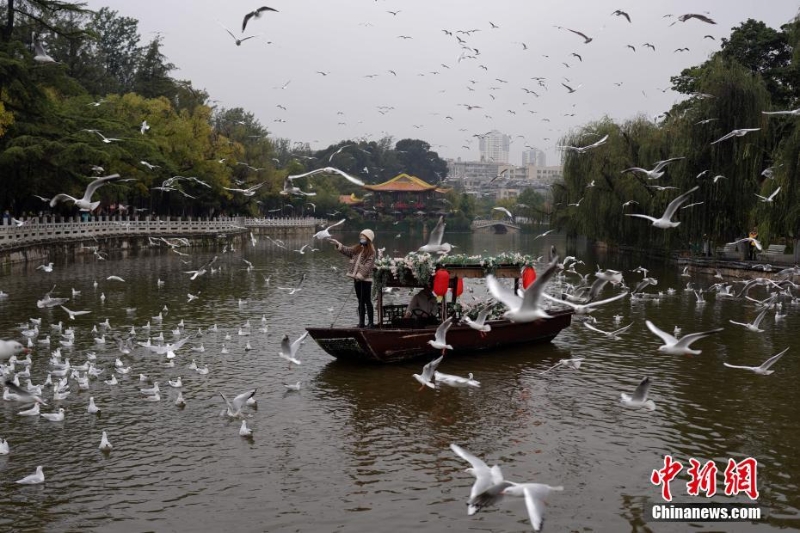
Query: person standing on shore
{"type": "Point", "coordinates": [362, 261]}
{"type": "Point", "coordinates": [751, 250]}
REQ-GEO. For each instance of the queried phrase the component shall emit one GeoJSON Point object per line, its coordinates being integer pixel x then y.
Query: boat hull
{"type": "Point", "coordinates": [395, 345]}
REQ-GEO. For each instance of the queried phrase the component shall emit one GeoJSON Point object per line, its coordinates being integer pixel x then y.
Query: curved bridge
{"type": "Point", "coordinates": [498, 227]}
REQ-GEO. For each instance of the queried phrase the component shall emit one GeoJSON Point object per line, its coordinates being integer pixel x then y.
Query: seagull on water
{"type": "Point", "coordinates": [455, 381]}
{"type": "Point", "coordinates": [105, 445]}
{"type": "Point", "coordinates": [534, 494]}
{"type": "Point", "coordinates": [234, 408]}
{"type": "Point", "coordinates": [34, 479]}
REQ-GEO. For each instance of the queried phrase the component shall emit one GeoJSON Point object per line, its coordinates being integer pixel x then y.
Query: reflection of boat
{"type": "Point", "coordinates": [398, 339]}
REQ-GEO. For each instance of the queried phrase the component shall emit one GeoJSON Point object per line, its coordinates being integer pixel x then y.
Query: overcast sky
{"type": "Point", "coordinates": [357, 42]}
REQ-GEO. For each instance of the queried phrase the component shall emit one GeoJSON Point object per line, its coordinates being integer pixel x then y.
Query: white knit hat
{"type": "Point", "coordinates": [369, 234]}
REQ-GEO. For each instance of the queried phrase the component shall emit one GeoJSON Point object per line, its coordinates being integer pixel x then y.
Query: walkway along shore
{"type": "Point", "coordinates": [42, 238]}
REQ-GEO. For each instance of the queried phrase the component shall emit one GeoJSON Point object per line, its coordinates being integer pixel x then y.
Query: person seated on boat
{"type": "Point", "coordinates": [423, 304]}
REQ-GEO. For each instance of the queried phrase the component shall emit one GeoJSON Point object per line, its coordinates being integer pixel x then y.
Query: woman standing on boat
{"type": "Point", "coordinates": [362, 261]}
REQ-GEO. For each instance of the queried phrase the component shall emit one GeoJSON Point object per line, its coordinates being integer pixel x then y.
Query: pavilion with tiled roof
{"type": "Point", "coordinates": [405, 194]}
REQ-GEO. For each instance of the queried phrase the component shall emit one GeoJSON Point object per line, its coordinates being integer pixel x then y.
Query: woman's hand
{"type": "Point", "coordinates": [336, 243]}
{"type": "Point", "coordinates": [360, 277]}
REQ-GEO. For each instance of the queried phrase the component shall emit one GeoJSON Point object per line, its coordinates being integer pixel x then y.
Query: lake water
{"type": "Point", "coordinates": [361, 448]}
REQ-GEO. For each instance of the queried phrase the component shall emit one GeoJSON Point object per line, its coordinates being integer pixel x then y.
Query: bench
{"type": "Point", "coordinates": [774, 250]}
{"type": "Point", "coordinates": [728, 251]}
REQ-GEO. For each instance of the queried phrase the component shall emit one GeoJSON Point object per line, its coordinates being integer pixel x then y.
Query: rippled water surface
{"type": "Point", "coordinates": [361, 448]}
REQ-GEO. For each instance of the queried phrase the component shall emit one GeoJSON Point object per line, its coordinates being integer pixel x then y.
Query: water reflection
{"type": "Point", "coordinates": [362, 448]}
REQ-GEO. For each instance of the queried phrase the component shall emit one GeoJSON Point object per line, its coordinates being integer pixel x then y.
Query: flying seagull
{"type": "Point", "coordinates": [584, 149]}
{"type": "Point", "coordinates": [639, 398]}
{"type": "Point", "coordinates": [85, 203]}
{"type": "Point", "coordinates": [657, 170]}
{"type": "Point", "coordinates": [794, 112]}
{"type": "Point", "coordinates": [255, 14]}
{"type": "Point", "coordinates": [586, 39]}
{"type": "Point", "coordinates": [771, 197]}
{"type": "Point", "coordinates": [621, 13]}
{"type": "Point", "coordinates": [735, 133]}
{"type": "Point", "coordinates": [236, 39]}
{"type": "Point", "coordinates": [41, 54]}
{"type": "Point", "coordinates": [680, 346]}
{"type": "Point", "coordinates": [764, 368]}
{"type": "Point", "coordinates": [665, 221]}
{"type": "Point", "coordinates": [688, 16]}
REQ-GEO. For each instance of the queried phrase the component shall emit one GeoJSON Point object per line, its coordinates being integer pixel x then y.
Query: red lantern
{"type": "Point", "coordinates": [441, 280]}
{"type": "Point", "coordinates": [528, 276]}
{"type": "Point", "coordinates": [459, 286]}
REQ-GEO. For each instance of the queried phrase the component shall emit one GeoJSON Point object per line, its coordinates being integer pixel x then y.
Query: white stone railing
{"type": "Point", "coordinates": [41, 230]}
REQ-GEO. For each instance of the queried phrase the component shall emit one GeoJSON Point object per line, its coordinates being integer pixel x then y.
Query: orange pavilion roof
{"type": "Point", "coordinates": [402, 183]}
{"type": "Point", "coordinates": [349, 199]}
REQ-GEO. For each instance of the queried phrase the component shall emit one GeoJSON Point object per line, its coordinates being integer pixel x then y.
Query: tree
{"type": "Point", "coordinates": [417, 159]}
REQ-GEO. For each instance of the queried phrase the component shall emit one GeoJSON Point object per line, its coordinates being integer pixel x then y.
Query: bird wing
{"type": "Point", "coordinates": [651, 219]}
{"type": "Point", "coordinates": [296, 344]}
{"type": "Point", "coordinates": [61, 198]}
{"type": "Point", "coordinates": [286, 348]}
{"type": "Point", "coordinates": [441, 331]}
{"type": "Point", "coordinates": [482, 314]}
{"type": "Point", "coordinates": [591, 327]}
{"type": "Point", "coordinates": [607, 300]}
{"type": "Point", "coordinates": [771, 361]}
{"type": "Point", "coordinates": [687, 340]}
{"type": "Point", "coordinates": [240, 400]}
{"type": "Point", "coordinates": [490, 496]}
{"type": "Point", "coordinates": [532, 295]}
{"type": "Point", "coordinates": [504, 210]}
{"type": "Point", "coordinates": [621, 330]}
{"type": "Point", "coordinates": [38, 47]}
{"type": "Point", "coordinates": [437, 234]}
{"type": "Point", "coordinates": [477, 463]}
{"type": "Point", "coordinates": [772, 196]}
{"type": "Point", "coordinates": [244, 22]}
{"type": "Point", "coordinates": [760, 317]}
{"type": "Point", "coordinates": [724, 137]}
{"type": "Point", "coordinates": [336, 224]}
{"type": "Point", "coordinates": [640, 394]}
{"type": "Point", "coordinates": [665, 162]}
{"type": "Point", "coordinates": [502, 294]}
{"type": "Point", "coordinates": [598, 143]}
{"type": "Point", "coordinates": [666, 337]}
{"type": "Point", "coordinates": [742, 367]}
{"type": "Point", "coordinates": [676, 203]}
{"type": "Point", "coordinates": [96, 184]}
{"type": "Point", "coordinates": [535, 508]}
{"type": "Point", "coordinates": [429, 369]}
{"type": "Point", "coordinates": [345, 175]}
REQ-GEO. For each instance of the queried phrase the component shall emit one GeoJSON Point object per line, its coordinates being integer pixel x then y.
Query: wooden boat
{"type": "Point", "coordinates": [396, 339]}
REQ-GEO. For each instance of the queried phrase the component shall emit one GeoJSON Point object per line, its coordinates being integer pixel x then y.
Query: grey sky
{"type": "Point", "coordinates": [352, 39]}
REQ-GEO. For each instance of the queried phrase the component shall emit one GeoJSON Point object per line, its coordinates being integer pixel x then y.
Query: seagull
{"type": "Point", "coordinates": [435, 241]}
{"type": "Point", "coordinates": [735, 133]}
{"type": "Point", "coordinates": [504, 211]}
{"type": "Point", "coordinates": [756, 242]}
{"type": "Point", "coordinates": [534, 494]}
{"type": "Point", "coordinates": [4, 448]}
{"type": "Point", "coordinates": [753, 326]}
{"type": "Point", "coordinates": [47, 268]}
{"type": "Point", "coordinates": [251, 191]}
{"type": "Point", "coordinates": [439, 338]}
{"type": "Point", "coordinates": [142, 129]}
{"type": "Point", "coordinates": [764, 368]}
{"type": "Point", "coordinates": [548, 232]}
{"type": "Point", "coordinates": [292, 386]}
{"type": "Point", "coordinates": [325, 232]}
{"type": "Point", "coordinates": [586, 39]}
{"type": "Point", "coordinates": [456, 381]}
{"type": "Point", "coordinates": [255, 14]}
{"type": "Point", "coordinates": [656, 172]}
{"type": "Point", "coordinates": [688, 16]}
{"type": "Point", "coordinates": [107, 140]}
{"type": "Point", "coordinates": [525, 308]}
{"type": "Point", "coordinates": [613, 335]}
{"type": "Point", "coordinates": [236, 39]}
{"type": "Point", "coordinates": [794, 112]}
{"type": "Point", "coordinates": [427, 373]}
{"type": "Point", "coordinates": [58, 416]}
{"type": "Point", "coordinates": [485, 477]}
{"type": "Point", "coordinates": [582, 309]}
{"type": "Point", "coordinates": [584, 149]}
{"type": "Point", "coordinates": [621, 13]}
{"type": "Point", "coordinates": [40, 53]}
{"type": "Point", "coordinates": [479, 323]}
{"type": "Point", "coordinates": [115, 278]}
{"type": "Point", "coordinates": [105, 445]}
{"type": "Point", "coordinates": [289, 350]}
{"type": "Point", "coordinates": [24, 396]}
{"type": "Point", "coordinates": [665, 221]}
{"type": "Point", "coordinates": [92, 409]}
{"type": "Point", "coordinates": [235, 407]}
{"type": "Point", "coordinates": [770, 198]}
{"type": "Point", "coordinates": [639, 398]}
{"type": "Point", "coordinates": [674, 346]}
{"type": "Point", "coordinates": [85, 203]}
{"type": "Point", "coordinates": [245, 431]}
{"type": "Point", "coordinates": [34, 479]}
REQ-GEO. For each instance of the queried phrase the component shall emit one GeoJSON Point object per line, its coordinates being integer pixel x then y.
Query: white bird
{"type": "Point", "coordinates": [10, 348]}
{"type": "Point", "coordinates": [435, 240]}
{"type": "Point", "coordinates": [4, 448]}
{"type": "Point", "coordinates": [73, 314]}
{"type": "Point", "coordinates": [439, 341]}
{"type": "Point", "coordinates": [613, 335]}
{"type": "Point", "coordinates": [764, 368]}
{"type": "Point", "coordinates": [85, 203]}
{"type": "Point", "coordinates": [175, 383]}
{"type": "Point", "coordinates": [234, 408]}
{"type": "Point", "coordinates": [479, 323]}
{"type": "Point", "coordinates": [115, 278]}
{"type": "Point", "coordinates": [47, 268]}
{"type": "Point", "coordinates": [582, 309]}
{"type": "Point", "coordinates": [58, 416]}
{"type": "Point", "coordinates": [154, 398]}
{"type": "Point", "coordinates": [105, 445]}
{"type": "Point", "coordinates": [753, 326]}
{"type": "Point", "coordinates": [665, 221]}
{"type": "Point", "coordinates": [525, 308]}
{"type": "Point", "coordinates": [291, 387]}
{"type": "Point", "coordinates": [639, 398]}
{"type": "Point", "coordinates": [485, 477]}
{"type": "Point", "coordinates": [456, 381]}
{"type": "Point", "coordinates": [657, 170]}
{"type": "Point", "coordinates": [674, 346]}
{"type": "Point", "coordinates": [584, 149]}
{"type": "Point", "coordinates": [289, 350]}
{"type": "Point", "coordinates": [534, 494]}
{"type": "Point", "coordinates": [143, 128]}
{"type": "Point", "coordinates": [504, 211]}
{"type": "Point", "coordinates": [735, 133]}
{"type": "Point", "coordinates": [41, 53]}
{"type": "Point", "coordinates": [245, 431]}
{"type": "Point", "coordinates": [33, 411]}
{"type": "Point", "coordinates": [179, 401]}
{"type": "Point", "coordinates": [34, 479]}
{"type": "Point", "coordinates": [794, 112]}
{"type": "Point", "coordinates": [92, 409]}
{"type": "Point", "coordinates": [152, 390]}
{"type": "Point", "coordinates": [24, 396]}
{"type": "Point", "coordinates": [112, 381]}
{"type": "Point", "coordinates": [428, 371]}
{"type": "Point", "coordinates": [325, 232]}
{"type": "Point", "coordinates": [771, 197]}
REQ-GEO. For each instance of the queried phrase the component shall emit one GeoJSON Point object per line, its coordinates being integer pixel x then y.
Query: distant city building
{"type": "Point", "coordinates": [534, 156]}
{"type": "Point", "coordinates": [480, 178]}
{"type": "Point", "coordinates": [494, 147]}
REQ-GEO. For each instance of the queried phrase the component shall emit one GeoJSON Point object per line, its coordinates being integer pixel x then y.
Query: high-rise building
{"type": "Point", "coordinates": [534, 156]}
{"type": "Point", "coordinates": [494, 147]}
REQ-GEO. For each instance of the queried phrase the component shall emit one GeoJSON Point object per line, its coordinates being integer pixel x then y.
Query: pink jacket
{"type": "Point", "coordinates": [359, 263]}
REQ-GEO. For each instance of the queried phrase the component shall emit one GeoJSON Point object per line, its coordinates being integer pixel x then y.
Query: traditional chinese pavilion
{"type": "Point", "coordinates": [404, 195]}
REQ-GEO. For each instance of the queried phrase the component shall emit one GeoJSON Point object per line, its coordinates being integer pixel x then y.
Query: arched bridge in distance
{"type": "Point", "coordinates": [498, 227]}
